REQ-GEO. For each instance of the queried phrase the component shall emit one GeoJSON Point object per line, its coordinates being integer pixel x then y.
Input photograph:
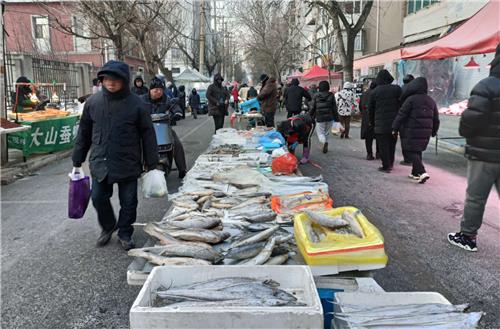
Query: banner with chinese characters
{"type": "Point", "coordinates": [46, 136]}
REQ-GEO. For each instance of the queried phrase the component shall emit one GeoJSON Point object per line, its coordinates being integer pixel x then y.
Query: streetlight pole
{"type": "Point", "coordinates": [202, 36]}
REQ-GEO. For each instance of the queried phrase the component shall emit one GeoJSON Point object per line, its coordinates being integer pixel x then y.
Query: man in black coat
{"type": "Point", "coordinates": [404, 94]}
{"type": "Point", "coordinates": [383, 108]}
{"type": "Point", "coordinates": [182, 100]}
{"type": "Point", "coordinates": [416, 122]}
{"type": "Point", "coordinates": [366, 128]}
{"type": "Point", "coordinates": [139, 88]}
{"type": "Point", "coordinates": [293, 97]}
{"type": "Point", "coordinates": [480, 125]}
{"type": "Point", "coordinates": [194, 103]}
{"type": "Point", "coordinates": [156, 102]}
{"type": "Point", "coordinates": [218, 101]}
{"type": "Point", "coordinates": [119, 133]}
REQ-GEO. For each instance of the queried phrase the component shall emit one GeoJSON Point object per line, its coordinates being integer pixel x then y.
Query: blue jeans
{"type": "Point", "coordinates": [127, 193]}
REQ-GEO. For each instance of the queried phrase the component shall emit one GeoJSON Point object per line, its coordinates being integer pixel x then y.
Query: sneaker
{"type": "Point", "coordinates": [325, 147]}
{"type": "Point", "coordinates": [404, 163]}
{"type": "Point", "coordinates": [415, 177]}
{"type": "Point", "coordinates": [104, 238]}
{"type": "Point", "coordinates": [127, 244]}
{"type": "Point", "coordinates": [463, 241]}
{"type": "Point", "coordinates": [423, 178]}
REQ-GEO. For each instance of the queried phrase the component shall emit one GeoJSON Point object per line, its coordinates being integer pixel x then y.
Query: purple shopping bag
{"type": "Point", "coordinates": [79, 195]}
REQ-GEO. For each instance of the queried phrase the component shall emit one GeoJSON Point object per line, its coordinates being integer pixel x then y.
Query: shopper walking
{"type": "Point", "coordinates": [324, 111]}
{"type": "Point", "coordinates": [416, 122]}
{"type": "Point", "coordinates": [118, 130]}
{"type": "Point", "coordinates": [346, 102]}
{"type": "Point", "coordinates": [268, 98]}
{"type": "Point", "coordinates": [480, 125]}
{"type": "Point", "coordinates": [218, 101]}
{"type": "Point", "coordinates": [194, 103]}
{"type": "Point", "coordinates": [139, 88]}
{"type": "Point", "coordinates": [293, 97]}
{"type": "Point", "coordinates": [404, 94]}
{"type": "Point", "coordinates": [383, 109]}
{"type": "Point", "coordinates": [366, 128]}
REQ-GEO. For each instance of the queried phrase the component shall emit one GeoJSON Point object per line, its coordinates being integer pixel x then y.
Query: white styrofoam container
{"type": "Point", "coordinates": [296, 279]}
{"type": "Point", "coordinates": [381, 299]}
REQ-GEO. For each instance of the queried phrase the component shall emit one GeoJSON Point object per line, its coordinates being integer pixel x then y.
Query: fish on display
{"type": "Point", "coordinates": [199, 234]}
{"type": "Point", "coordinates": [277, 260]}
{"type": "Point", "coordinates": [264, 235]}
{"type": "Point", "coordinates": [233, 291]}
{"type": "Point", "coordinates": [196, 222]}
{"type": "Point", "coordinates": [325, 220]}
{"type": "Point", "coordinates": [264, 255]}
{"type": "Point", "coordinates": [162, 260]}
{"type": "Point", "coordinates": [353, 223]}
{"type": "Point", "coordinates": [245, 252]}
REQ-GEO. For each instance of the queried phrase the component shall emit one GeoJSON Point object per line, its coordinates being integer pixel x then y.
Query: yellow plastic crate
{"type": "Point", "coordinates": [340, 249]}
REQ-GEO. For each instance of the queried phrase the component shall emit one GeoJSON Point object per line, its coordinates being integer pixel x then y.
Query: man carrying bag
{"type": "Point", "coordinates": [119, 133]}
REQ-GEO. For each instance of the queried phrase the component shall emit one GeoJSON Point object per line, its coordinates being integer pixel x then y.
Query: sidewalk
{"type": "Point", "coordinates": [16, 168]}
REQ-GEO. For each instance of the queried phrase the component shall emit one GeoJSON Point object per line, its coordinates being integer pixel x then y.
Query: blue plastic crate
{"type": "Point", "coordinates": [327, 296]}
{"type": "Point", "coordinates": [249, 104]}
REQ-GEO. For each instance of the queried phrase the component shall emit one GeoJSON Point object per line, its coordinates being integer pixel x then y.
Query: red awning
{"type": "Point", "coordinates": [478, 35]}
{"type": "Point", "coordinates": [318, 73]}
{"type": "Point", "coordinates": [296, 74]}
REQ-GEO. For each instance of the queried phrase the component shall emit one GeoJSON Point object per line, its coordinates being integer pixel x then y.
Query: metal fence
{"type": "Point", "coordinates": [51, 71]}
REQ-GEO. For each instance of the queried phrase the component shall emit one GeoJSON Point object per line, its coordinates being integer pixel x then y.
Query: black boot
{"type": "Point", "coordinates": [104, 238]}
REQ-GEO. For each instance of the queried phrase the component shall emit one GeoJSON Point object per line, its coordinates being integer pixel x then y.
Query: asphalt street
{"type": "Point", "coordinates": [53, 276]}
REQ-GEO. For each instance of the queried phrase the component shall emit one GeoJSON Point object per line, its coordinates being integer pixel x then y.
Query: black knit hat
{"type": "Point", "coordinates": [157, 83]}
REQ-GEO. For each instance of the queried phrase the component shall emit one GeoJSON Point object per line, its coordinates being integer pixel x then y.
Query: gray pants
{"type": "Point", "coordinates": [323, 130]}
{"type": "Point", "coordinates": [481, 176]}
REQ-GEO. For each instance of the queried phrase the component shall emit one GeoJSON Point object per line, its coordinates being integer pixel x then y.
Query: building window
{"type": "Point", "coordinates": [41, 32]}
{"type": "Point", "coordinates": [412, 6]}
{"type": "Point", "coordinates": [176, 70]}
{"type": "Point", "coordinates": [81, 44]}
{"type": "Point", "coordinates": [376, 69]}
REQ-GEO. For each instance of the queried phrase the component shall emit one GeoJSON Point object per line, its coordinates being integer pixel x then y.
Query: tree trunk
{"type": "Point", "coordinates": [348, 59]}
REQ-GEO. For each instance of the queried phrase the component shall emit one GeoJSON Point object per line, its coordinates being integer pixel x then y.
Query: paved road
{"type": "Point", "coordinates": [415, 219]}
{"type": "Point", "coordinates": [53, 276]}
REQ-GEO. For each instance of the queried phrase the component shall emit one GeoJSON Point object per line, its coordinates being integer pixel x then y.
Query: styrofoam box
{"type": "Point", "coordinates": [294, 279]}
{"type": "Point", "coordinates": [381, 299]}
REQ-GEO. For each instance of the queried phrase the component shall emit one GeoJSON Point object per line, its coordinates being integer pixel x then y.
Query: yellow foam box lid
{"type": "Point", "coordinates": [340, 249]}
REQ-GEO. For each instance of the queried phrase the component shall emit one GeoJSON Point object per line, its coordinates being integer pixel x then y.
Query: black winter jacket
{"type": "Point", "coordinates": [293, 97]}
{"type": "Point", "coordinates": [139, 90]}
{"type": "Point", "coordinates": [118, 132]}
{"type": "Point", "coordinates": [217, 98]}
{"type": "Point", "coordinates": [418, 118]}
{"type": "Point", "coordinates": [194, 101]}
{"type": "Point", "coordinates": [384, 103]}
{"type": "Point", "coordinates": [480, 122]}
{"type": "Point", "coordinates": [366, 127]}
{"type": "Point", "coordinates": [324, 108]}
{"type": "Point", "coordinates": [162, 105]}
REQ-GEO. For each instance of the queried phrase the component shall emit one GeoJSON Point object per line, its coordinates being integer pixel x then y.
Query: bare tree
{"type": "Point", "coordinates": [103, 20]}
{"type": "Point", "coordinates": [336, 11]}
{"type": "Point", "coordinates": [269, 39]}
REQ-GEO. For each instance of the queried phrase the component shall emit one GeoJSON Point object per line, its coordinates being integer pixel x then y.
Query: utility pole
{"type": "Point", "coordinates": [202, 36]}
{"type": "Point", "coordinates": [223, 64]}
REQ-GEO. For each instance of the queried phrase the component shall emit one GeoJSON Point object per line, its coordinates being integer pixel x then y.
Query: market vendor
{"type": "Point", "coordinates": [22, 95]}
{"type": "Point", "coordinates": [297, 130]}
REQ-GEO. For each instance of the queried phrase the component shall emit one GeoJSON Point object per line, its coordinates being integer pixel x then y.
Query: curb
{"type": "Point", "coordinates": [19, 170]}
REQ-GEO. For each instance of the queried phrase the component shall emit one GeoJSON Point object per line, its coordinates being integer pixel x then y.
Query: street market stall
{"type": "Point", "coordinates": [316, 74]}
{"type": "Point", "coordinates": [244, 214]}
{"type": "Point", "coordinates": [48, 127]}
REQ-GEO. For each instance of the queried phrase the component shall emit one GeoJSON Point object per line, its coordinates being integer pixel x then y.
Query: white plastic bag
{"type": "Point", "coordinates": [337, 127]}
{"type": "Point", "coordinates": [154, 184]}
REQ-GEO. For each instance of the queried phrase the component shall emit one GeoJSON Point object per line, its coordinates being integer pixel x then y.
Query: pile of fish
{"type": "Point", "coordinates": [226, 292]}
{"type": "Point", "coordinates": [344, 224]}
{"type": "Point", "coordinates": [414, 316]}
{"type": "Point", "coordinates": [232, 149]}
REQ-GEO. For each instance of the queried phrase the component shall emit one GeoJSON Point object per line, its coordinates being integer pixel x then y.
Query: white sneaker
{"type": "Point", "coordinates": [423, 178]}
{"type": "Point", "coordinates": [413, 177]}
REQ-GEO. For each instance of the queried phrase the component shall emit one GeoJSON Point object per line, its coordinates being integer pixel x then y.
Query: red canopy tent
{"type": "Point", "coordinates": [478, 35]}
{"type": "Point", "coordinates": [296, 74]}
{"type": "Point", "coordinates": [318, 73]}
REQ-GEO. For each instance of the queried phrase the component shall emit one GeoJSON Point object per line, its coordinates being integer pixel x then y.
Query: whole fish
{"type": "Point", "coordinates": [264, 255]}
{"type": "Point", "coordinates": [222, 205]}
{"type": "Point", "coordinates": [186, 203]}
{"type": "Point", "coordinates": [198, 234]}
{"type": "Point", "coordinates": [261, 217]}
{"type": "Point", "coordinates": [232, 303]}
{"type": "Point", "coordinates": [325, 220]}
{"type": "Point", "coordinates": [202, 199]}
{"type": "Point", "coordinates": [353, 223]}
{"type": "Point", "coordinates": [256, 200]}
{"type": "Point", "coordinates": [257, 237]}
{"type": "Point", "coordinates": [257, 227]}
{"type": "Point", "coordinates": [196, 222]}
{"type": "Point", "coordinates": [238, 291]}
{"type": "Point", "coordinates": [225, 282]}
{"type": "Point", "coordinates": [280, 250]}
{"type": "Point", "coordinates": [245, 252]}
{"type": "Point", "coordinates": [282, 238]}
{"type": "Point", "coordinates": [201, 193]}
{"type": "Point", "coordinates": [193, 251]}
{"type": "Point", "coordinates": [312, 236]}
{"type": "Point", "coordinates": [161, 260]}
{"type": "Point", "coordinates": [238, 223]}
{"type": "Point", "coordinates": [277, 260]}
{"type": "Point", "coordinates": [207, 205]}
